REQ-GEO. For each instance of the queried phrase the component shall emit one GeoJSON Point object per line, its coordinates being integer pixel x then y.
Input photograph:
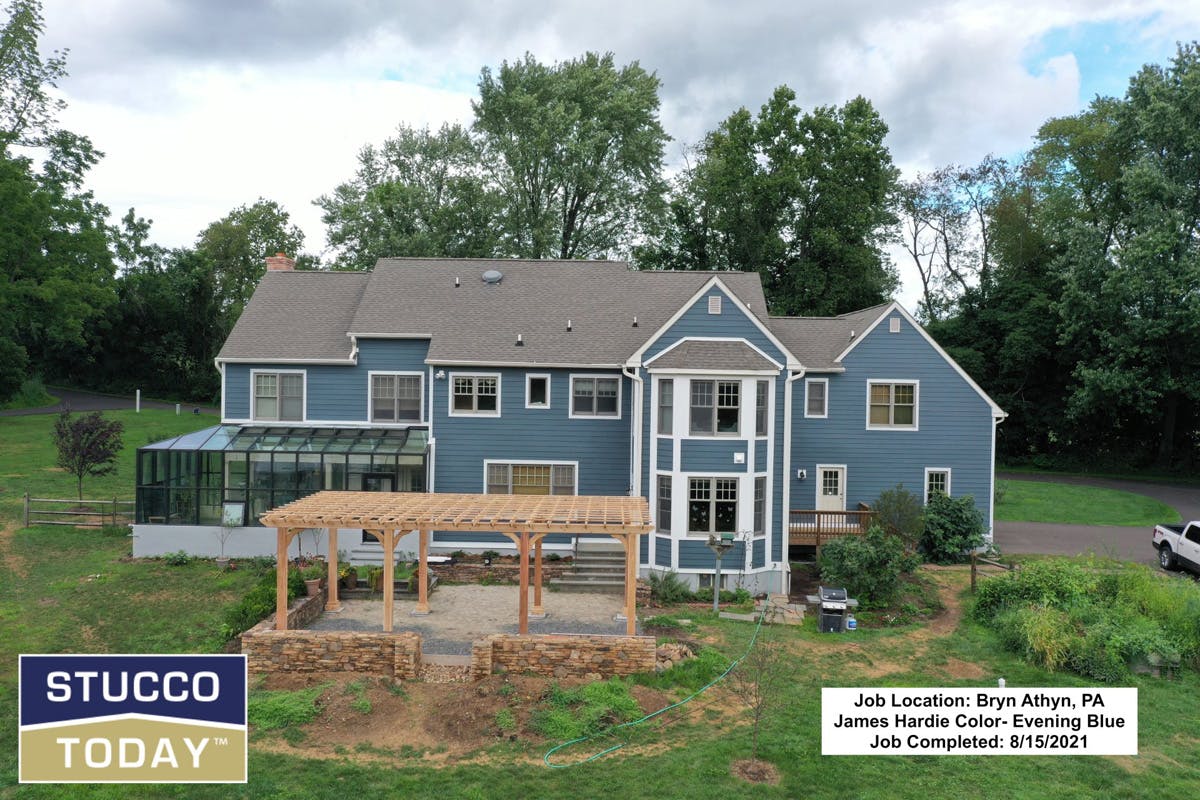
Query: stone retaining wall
{"type": "Point", "coordinates": [389, 655]}
{"type": "Point", "coordinates": [496, 573]}
{"type": "Point", "coordinates": [561, 656]}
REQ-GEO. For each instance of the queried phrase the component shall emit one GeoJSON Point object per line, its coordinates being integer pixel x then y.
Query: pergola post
{"type": "Point", "coordinates": [389, 578]}
{"type": "Point", "coordinates": [631, 554]}
{"type": "Point", "coordinates": [537, 612]}
{"type": "Point", "coordinates": [422, 573]}
{"type": "Point", "coordinates": [281, 578]}
{"type": "Point", "coordinates": [331, 601]}
{"type": "Point", "coordinates": [523, 604]}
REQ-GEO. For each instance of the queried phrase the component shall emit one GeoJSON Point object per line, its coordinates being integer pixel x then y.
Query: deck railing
{"type": "Point", "coordinates": [808, 527]}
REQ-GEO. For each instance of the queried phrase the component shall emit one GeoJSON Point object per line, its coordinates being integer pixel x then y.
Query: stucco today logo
{"type": "Point", "coordinates": [132, 719]}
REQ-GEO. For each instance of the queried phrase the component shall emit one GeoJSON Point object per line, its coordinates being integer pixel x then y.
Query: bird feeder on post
{"type": "Point", "coordinates": [720, 544]}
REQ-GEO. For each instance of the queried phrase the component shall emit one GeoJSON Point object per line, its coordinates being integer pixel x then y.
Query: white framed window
{"type": "Point", "coordinates": [816, 398]}
{"type": "Point", "coordinates": [712, 505]}
{"type": "Point", "coordinates": [760, 506]}
{"type": "Point", "coordinates": [595, 396]}
{"type": "Point", "coordinates": [663, 517]}
{"type": "Point", "coordinates": [278, 396]}
{"type": "Point", "coordinates": [474, 395]}
{"type": "Point", "coordinates": [666, 406]}
{"type": "Point", "coordinates": [396, 396]}
{"type": "Point", "coordinates": [537, 391]}
{"type": "Point", "coordinates": [534, 477]}
{"type": "Point", "coordinates": [762, 390]}
{"type": "Point", "coordinates": [705, 580]}
{"type": "Point", "coordinates": [715, 408]}
{"type": "Point", "coordinates": [937, 481]}
{"type": "Point", "coordinates": [892, 405]}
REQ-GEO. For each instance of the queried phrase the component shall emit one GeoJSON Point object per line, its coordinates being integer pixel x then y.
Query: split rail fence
{"type": "Point", "coordinates": [77, 513]}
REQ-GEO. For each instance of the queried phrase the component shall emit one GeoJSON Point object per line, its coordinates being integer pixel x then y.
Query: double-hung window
{"type": "Point", "coordinates": [715, 407]}
{"type": "Point", "coordinates": [816, 398]}
{"type": "Point", "coordinates": [712, 505]}
{"type": "Point", "coordinates": [595, 396]}
{"type": "Point", "coordinates": [663, 522]}
{"type": "Point", "coordinates": [937, 481]}
{"type": "Point", "coordinates": [666, 406]}
{"type": "Point", "coordinates": [761, 390]}
{"type": "Point", "coordinates": [395, 398]}
{"type": "Point", "coordinates": [476, 394]}
{"type": "Point", "coordinates": [760, 506]}
{"type": "Point", "coordinates": [555, 479]}
{"type": "Point", "coordinates": [278, 396]}
{"type": "Point", "coordinates": [891, 404]}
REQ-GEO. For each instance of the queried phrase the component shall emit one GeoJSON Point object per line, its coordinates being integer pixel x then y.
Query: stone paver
{"type": "Point", "coordinates": [461, 614]}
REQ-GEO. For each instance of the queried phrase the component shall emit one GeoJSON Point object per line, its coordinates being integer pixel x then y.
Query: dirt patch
{"type": "Point", "coordinates": [957, 668]}
{"type": "Point", "coordinates": [10, 559]}
{"type": "Point", "coordinates": [755, 771]}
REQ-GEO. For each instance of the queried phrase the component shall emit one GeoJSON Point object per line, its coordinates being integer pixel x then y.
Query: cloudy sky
{"type": "Point", "coordinates": [202, 105]}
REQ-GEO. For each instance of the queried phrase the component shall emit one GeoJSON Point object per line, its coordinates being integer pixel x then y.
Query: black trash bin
{"type": "Point", "coordinates": [831, 617]}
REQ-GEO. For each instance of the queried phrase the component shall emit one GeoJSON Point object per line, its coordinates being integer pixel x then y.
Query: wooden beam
{"type": "Point", "coordinates": [389, 579]}
{"type": "Point", "coordinates": [281, 578]}
{"type": "Point", "coordinates": [422, 573]}
{"type": "Point", "coordinates": [631, 555]}
{"type": "Point", "coordinates": [331, 600]}
{"type": "Point", "coordinates": [537, 610]}
{"type": "Point", "coordinates": [523, 603]}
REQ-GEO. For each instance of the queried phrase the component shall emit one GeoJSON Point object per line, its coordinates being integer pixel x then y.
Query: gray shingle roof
{"type": "Point", "coordinates": [478, 322]}
{"type": "Point", "coordinates": [817, 341]}
{"type": "Point", "coordinates": [693, 354]}
{"type": "Point", "coordinates": [297, 316]}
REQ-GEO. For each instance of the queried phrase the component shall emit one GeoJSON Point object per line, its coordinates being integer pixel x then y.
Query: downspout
{"type": "Point", "coordinates": [635, 445]}
{"type": "Point", "coordinates": [786, 567]}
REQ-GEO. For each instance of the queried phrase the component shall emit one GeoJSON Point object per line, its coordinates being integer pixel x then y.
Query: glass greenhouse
{"type": "Point", "coordinates": [195, 479]}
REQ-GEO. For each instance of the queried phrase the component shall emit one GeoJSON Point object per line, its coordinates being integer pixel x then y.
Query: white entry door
{"type": "Point", "coordinates": [831, 488]}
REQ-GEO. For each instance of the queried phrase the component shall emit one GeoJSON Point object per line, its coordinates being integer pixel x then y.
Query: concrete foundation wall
{"type": "Point", "coordinates": [150, 541]}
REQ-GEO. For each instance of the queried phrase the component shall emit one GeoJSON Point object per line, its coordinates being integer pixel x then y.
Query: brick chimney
{"type": "Point", "coordinates": [279, 262]}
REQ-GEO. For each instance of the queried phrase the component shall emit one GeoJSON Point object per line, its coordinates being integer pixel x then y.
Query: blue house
{"type": "Point", "coordinates": [565, 377]}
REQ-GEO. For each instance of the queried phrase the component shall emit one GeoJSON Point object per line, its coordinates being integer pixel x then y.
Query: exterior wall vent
{"type": "Point", "coordinates": [714, 304]}
{"type": "Point", "coordinates": [894, 325]}
{"type": "Point", "coordinates": [493, 276]}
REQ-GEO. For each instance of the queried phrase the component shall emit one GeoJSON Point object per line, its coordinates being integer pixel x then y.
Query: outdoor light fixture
{"type": "Point", "coordinates": [720, 544]}
{"type": "Point", "coordinates": [440, 374]}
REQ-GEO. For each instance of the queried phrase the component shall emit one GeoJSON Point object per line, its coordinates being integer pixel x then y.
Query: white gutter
{"type": "Point", "coordinates": [635, 466]}
{"type": "Point", "coordinates": [786, 567]}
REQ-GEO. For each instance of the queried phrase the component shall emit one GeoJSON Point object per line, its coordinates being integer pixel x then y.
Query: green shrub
{"type": "Point", "coordinates": [868, 566]}
{"type": "Point", "coordinates": [259, 602]}
{"type": "Point", "coordinates": [1052, 582]}
{"type": "Point", "coordinates": [588, 709]}
{"type": "Point", "coordinates": [953, 525]}
{"type": "Point", "coordinates": [690, 674]}
{"type": "Point", "coordinates": [505, 720]}
{"type": "Point", "coordinates": [899, 512]}
{"type": "Point", "coordinates": [180, 558]}
{"type": "Point", "coordinates": [268, 711]}
{"type": "Point", "coordinates": [667, 588]}
{"type": "Point", "coordinates": [732, 596]}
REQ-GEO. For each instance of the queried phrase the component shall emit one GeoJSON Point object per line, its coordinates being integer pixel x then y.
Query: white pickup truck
{"type": "Point", "coordinates": [1178, 546]}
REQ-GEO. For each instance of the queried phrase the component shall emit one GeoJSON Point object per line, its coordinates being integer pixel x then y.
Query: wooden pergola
{"type": "Point", "coordinates": [526, 519]}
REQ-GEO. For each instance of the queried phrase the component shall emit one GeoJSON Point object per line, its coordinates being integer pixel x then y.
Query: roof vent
{"type": "Point", "coordinates": [492, 276]}
{"type": "Point", "coordinates": [456, 283]}
{"type": "Point", "coordinates": [852, 335]}
{"type": "Point", "coordinates": [568, 325]}
{"type": "Point", "coordinates": [635, 321]}
{"type": "Point", "coordinates": [520, 340]}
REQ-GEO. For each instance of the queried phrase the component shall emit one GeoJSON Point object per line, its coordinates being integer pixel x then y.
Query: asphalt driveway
{"type": "Point", "coordinates": [1128, 544]}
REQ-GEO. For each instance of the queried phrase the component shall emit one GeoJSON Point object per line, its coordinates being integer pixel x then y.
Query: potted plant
{"type": "Point", "coordinates": [348, 574]}
{"type": "Point", "coordinates": [375, 579]}
{"type": "Point", "coordinates": [313, 577]}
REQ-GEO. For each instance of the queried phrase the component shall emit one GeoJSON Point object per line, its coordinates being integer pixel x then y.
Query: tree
{"type": "Point", "coordinates": [239, 242]}
{"type": "Point", "coordinates": [419, 194]}
{"type": "Point", "coordinates": [87, 445]}
{"type": "Point", "coordinates": [1131, 261]}
{"type": "Point", "coordinates": [27, 110]}
{"type": "Point", "coordinates": [577, 152]}
{"type": "Point", "coordinates": [761, 679]}
{"type": "Point", "coordinates": [802, 198]}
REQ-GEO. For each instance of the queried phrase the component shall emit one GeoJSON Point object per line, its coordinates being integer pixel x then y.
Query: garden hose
{"type": "Point", "coordinates": [546, 758]}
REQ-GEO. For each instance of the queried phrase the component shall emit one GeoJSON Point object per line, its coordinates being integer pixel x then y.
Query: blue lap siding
{"type": "Point", "coordinates": [954, 425]}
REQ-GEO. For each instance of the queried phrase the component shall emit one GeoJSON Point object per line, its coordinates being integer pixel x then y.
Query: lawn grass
{"type": "Point", "coordinates": [27, 456]}
{"type": "Point", "coordinates": [32, 394]}
{"type": "Point", "coordinates": [1147, 475]}
{"type": "Point", "coordinates": [1038, 501]}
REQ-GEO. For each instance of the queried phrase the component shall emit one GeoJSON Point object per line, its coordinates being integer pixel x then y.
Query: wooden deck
{"type": "Point", "coordinates": [810, 528]}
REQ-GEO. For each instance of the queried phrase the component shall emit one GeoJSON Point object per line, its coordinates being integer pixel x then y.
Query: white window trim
{"type": "Point", "coordinates": [737, 477]}
{"type": "Point", "coordinates": [521, 462]}
{"type": "Point", "coordinates": [303, 394]}
{"type": "Point", "coordinates": [658, 502]}
{"type": "Point", "coordinates": [571, 395]}
{"type": "Point", "coordinates": [396, 373]}
{"type": "Point", "coordinates": [740, 433]}
{"type": "Point", "coordinates": [765, 436]}
{"type": "Point", "coordinates": [916, 384]}
{"type": "Point", "coordinates": [528, 378]}
{"type": "Point", "coordinates": [928, 470]}
{"type": "Point", "coordinates": [656, 405]}
{"type": "Point", "coordinates": [825, 381]}
{"type": "Point", "coordinates": [450, 394]}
